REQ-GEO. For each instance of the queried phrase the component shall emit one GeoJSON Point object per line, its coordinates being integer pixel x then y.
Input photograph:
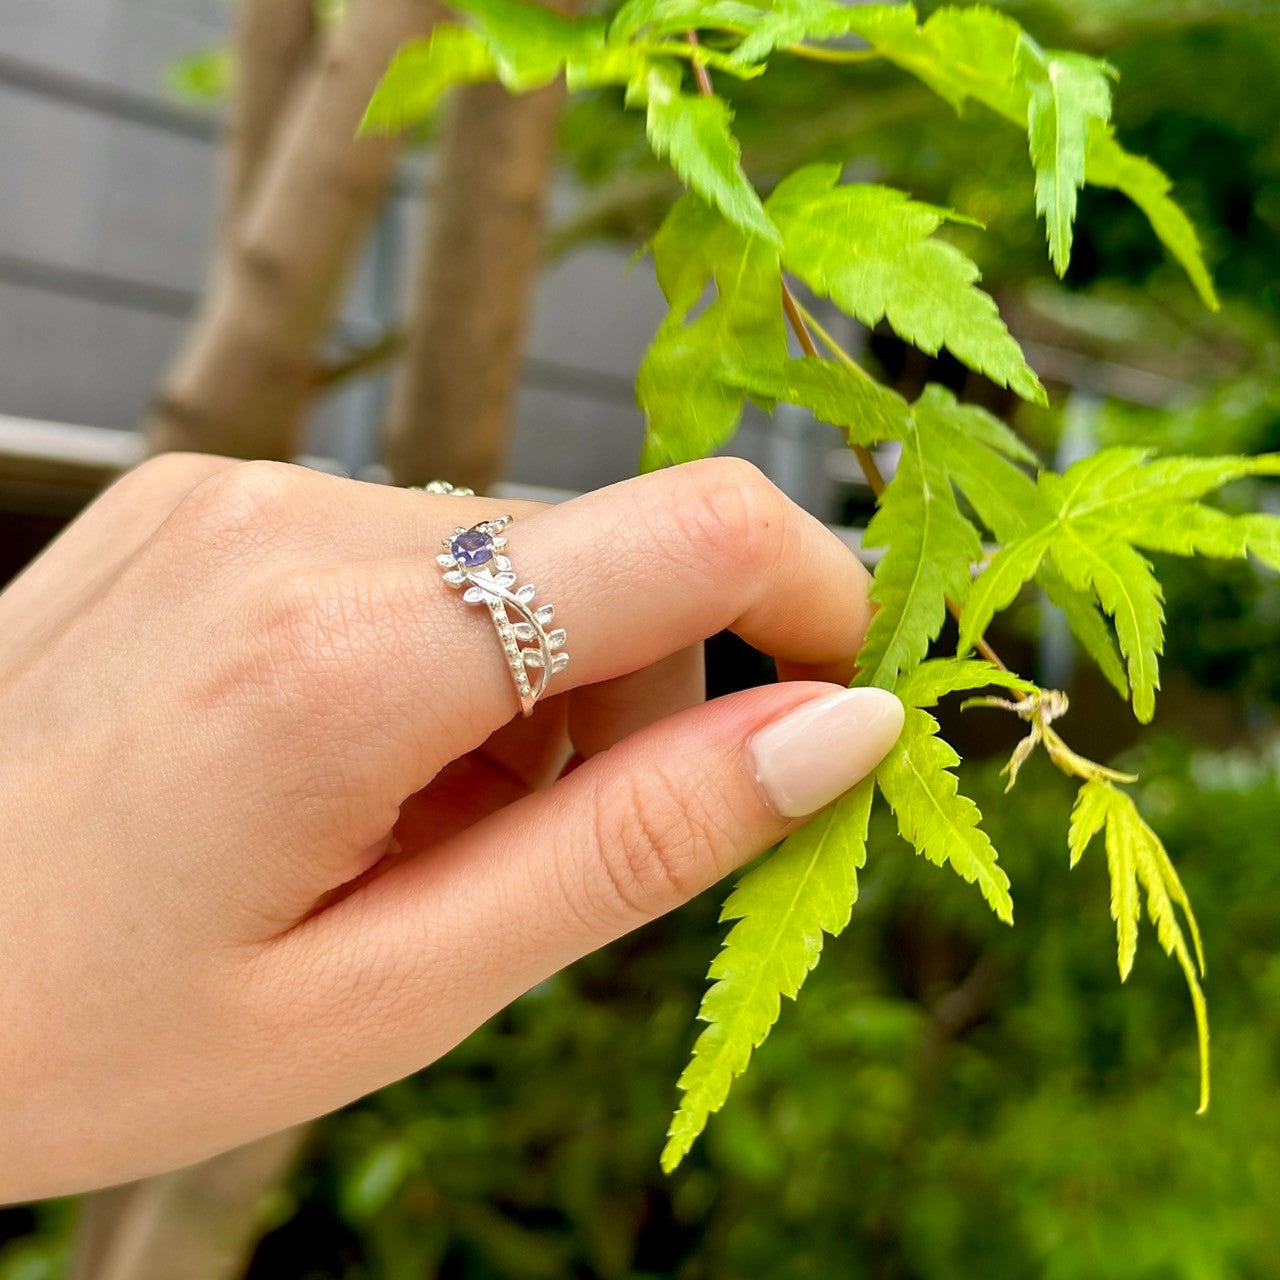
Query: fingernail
{"type": "Point", "coordinates": [817, 752]}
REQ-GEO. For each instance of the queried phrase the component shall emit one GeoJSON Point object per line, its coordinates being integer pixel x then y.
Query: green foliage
{"type": "Point", "coordinates": [981, 54]}
{"type": "Point", "coordinates": [685, 383]}
{"type": "Point", "coordinates": [808, 886]}
{"type": "Point", "coordinates": [693, 133]}
{"type": "Point", "coordinates": [1089, 521]}
{"type": "Point", "coordinates": [1067, 93]}
{"type": "Point", "coordinates": [1061, 100]}
{"type": "Point", "coordinates": [421, 73]}
{"type": "Point", "coordinates": [1108, 164]}
{"type": "Point", "coordinates": [783, 907]}
{"type": "Point", "coordinates": [1136, 858]}
{"type": "Point", "coordinates": [841, 394]}
{"type": "Point", "coordinates": [929, 547]}
{"type": "Point", "coordinates": [724, 257]}
{"type": "Point", "coordinates": [933, 817]}
{"type": "Point", "coordinates": [202, 77]}
{"type": "Point", "coordinates": [870, 250]}
{"type": "Point", "coordinates": [967, 448]}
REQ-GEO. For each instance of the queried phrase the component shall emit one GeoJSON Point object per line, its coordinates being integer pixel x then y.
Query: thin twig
{"type": "Point", "coordinates": [360, 360]}
{"type": "Point", "coordinates": [796, 320]}
{"type": "Point", "coordinates": [700, 73]}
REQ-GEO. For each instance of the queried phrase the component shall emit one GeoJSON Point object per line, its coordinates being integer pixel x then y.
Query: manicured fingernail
{"type": "Point", "coordinates": [817, 752]}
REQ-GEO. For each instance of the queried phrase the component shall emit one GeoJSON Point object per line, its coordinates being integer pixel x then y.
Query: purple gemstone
{"type": "Point", "coordinates": [472, 549]}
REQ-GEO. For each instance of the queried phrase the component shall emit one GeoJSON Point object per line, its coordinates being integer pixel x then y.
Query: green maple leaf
{"type": "Point", "coordinates": [870, 250]}
{"type": "Point", "coordinates": [1108, 164]}
{"type": "Point", "coordinates": [1088, 523]}
{"type": "Point", "coordinates": [660, 17]}
{"type": "Point", "coordinates": [932, 545]}
{"type": "Point", "coordinates": [915, 778]}
{"type": "Point", "coordinates": [931, 681]}
{"type": "Point", "coordinates": [841, 394]}
{"type": "Point", "coordinates": [526, 46]}
{"type": "Point", "coordinates": [788, 22]}
{"type": "Point", "coordinates": [530, 43]}
{"type": "Point", "coordinates": [687, 382]}
{"type": "Point", "coordinates": [692, 132]}
{"type": "Point", "coordinates": [806, 888]}
{"type": "Point", "coordinates": [421, 73]}
{"type": "Point", "coordinates": [1068, 93]}
{"type": "Point", "coordinates": [1136, 860]}
{"type": "Point", "coordinates": [959, 53]}
{"type": "Point", "coordinates": [979, 455]}
{"type": "Point", "coordinates": [930, 549]}
{"type": "Point", "coordinates": [976, 53]}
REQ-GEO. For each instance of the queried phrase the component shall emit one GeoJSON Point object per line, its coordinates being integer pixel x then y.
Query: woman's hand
{"type": "Point", "coordinates": [272, 835]}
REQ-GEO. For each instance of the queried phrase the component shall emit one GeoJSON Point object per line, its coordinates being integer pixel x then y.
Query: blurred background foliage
{"type": "Point", "coordinates": [951, 1099]}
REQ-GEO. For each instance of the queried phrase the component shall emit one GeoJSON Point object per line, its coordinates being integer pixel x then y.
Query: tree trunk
{"type": "Point", "coordinates": [301, 194]}
{"type": "Point", "coordinates": [272, 42]}
{"type": "Point", "coordinates": [197, 1224]}
{"type": "Point", "coordinates": [452, 405]}
{"type": "Point", "coordinates": [243, 379]}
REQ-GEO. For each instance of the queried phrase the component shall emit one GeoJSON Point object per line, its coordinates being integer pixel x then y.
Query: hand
{"type": "Point", "coordinates": [273, 837]}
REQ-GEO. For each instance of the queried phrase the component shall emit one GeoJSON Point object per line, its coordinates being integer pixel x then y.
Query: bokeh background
{"type": "Point", "coordinates": [950, 1098]}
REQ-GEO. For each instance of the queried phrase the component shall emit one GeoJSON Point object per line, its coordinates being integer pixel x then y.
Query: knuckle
{"type": "Point", "coordinates": [736, 509]}
{"type": "Point", "coordinates": [659, 842]}
{"type": "Point", "coordinates": [242, 508]}
{"type": "Point", "coordinates": [177, 470]}
{"type": "Point", "coordinates": [310, 629]}
{"type": "Point", "coordinates": [159, 482]}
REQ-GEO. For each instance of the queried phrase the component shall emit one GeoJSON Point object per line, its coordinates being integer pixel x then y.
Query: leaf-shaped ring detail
{"type": "Point", "coordinates": [473, 562]}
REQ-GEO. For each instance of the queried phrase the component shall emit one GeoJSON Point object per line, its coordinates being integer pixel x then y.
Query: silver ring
{"type": "Point", "coordinates": [474, 561]}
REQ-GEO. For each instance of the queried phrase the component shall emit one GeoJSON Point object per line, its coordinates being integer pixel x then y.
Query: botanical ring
{"type": "Point", "coordinates": [533, 653]}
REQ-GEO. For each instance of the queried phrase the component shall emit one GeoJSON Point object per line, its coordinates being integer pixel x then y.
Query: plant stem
{"type": "Point", "coordinates": [360, 360]}
{"type": "Point", "coordinates": [700, 73]}
{"type": "Point", "coordinates": [796, 317]}
{"type": "Point", "coordinates": [815, 53]}
{"type": "Point", "coordinates": [831, 344]}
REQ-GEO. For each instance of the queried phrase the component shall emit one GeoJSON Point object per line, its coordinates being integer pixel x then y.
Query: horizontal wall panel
{"type": "Point", "coordinates": [127, 44]}
{"type": "Point", "coordinates": [573, 441]}
{"type": "Point", "coordinates": [71, 360]}
{"type": "Point", "coordinates": [591, 315]}
{"type": "Point", "coordinates": [99, 195]}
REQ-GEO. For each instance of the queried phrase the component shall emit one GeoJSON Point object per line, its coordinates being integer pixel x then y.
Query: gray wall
{"type": "Point", "coordinates": [107, 197]}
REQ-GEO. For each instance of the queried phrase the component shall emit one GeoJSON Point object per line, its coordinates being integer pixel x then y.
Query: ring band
{"type": "Point", "coordinates": [474, 561]}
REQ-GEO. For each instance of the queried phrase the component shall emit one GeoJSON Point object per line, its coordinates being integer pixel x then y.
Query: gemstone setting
{"type": "Point", "coordinates": [474, 563]}
{"type": "Point", "coordinates": [472, 548]}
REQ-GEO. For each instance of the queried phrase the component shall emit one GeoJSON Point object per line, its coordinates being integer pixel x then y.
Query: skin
{"type": "Point", "coordinates": [273, 837]}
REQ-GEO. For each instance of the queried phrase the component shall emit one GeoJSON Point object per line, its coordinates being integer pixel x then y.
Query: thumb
{"type": "Point", "coordinates": [675, 807]}
{"type": "Point", "coordinates": [416, 959]}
